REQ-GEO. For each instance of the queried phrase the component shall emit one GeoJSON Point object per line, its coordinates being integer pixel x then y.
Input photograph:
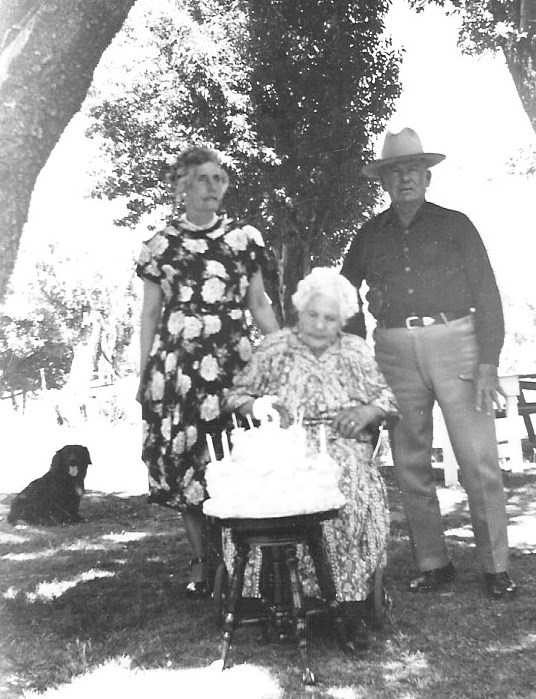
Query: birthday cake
{"type": "Point", "coordinates": [268, 471]}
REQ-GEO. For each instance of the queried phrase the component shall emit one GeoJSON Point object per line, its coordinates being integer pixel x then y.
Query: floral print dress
{"type": "Point", "coordinates": [201, 342]}
{"type": "Point", "coordinates": [345, 374]}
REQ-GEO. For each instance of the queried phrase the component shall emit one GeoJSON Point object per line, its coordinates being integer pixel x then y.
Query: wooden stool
{"type": "Point", "coordinates": [279, 536]}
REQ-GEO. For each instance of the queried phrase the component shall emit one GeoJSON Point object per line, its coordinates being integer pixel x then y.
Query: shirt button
{"type": "Point", "coordinates": [411, 291]}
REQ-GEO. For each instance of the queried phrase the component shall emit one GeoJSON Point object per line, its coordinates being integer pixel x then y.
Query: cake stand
{"type": "Point", "coordinates": [278, 538]}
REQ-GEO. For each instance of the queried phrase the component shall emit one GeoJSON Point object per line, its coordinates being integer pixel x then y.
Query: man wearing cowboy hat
{"type": "Point", "coordinates": [439, 333]}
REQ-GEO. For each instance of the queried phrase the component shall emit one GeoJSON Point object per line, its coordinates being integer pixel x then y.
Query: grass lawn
{"type": "Point", "coordinates": [98, 608]}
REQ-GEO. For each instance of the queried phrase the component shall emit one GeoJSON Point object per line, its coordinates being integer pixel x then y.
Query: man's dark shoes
{"type": "Point", "coordinates": [430, 580]}
{"type": "Point", "coordinates": [500, 585]}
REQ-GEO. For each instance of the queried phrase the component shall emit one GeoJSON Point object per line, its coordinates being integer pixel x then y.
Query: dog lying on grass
{"type": "Point", "coordinates": [55, 497]}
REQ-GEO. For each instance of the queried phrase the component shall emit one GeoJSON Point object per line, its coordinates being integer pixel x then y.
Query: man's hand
{"type": "Point", "coordinates": [487, 388]}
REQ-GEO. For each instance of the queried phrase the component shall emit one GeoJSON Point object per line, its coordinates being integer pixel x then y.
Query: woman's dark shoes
{"type": "Point", "coordinates": [201, 589]}
{"type": "Point", "coordinates": [500, 585]}
{"type": "Point", "coordinates": [434, 579]}
{"type": "Point", "coordinates": [198, 590]}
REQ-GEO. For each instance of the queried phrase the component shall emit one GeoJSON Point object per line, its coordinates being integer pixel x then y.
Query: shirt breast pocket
{"type": "Point", "coordinates": [440, 251]}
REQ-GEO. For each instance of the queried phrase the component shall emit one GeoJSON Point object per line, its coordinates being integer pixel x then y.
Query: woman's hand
{"type": "Point", "coordinates": [350, 422]}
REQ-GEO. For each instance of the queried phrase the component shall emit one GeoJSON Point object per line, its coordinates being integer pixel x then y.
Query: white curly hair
{"type": "Point", "coordinates": [326, 281]}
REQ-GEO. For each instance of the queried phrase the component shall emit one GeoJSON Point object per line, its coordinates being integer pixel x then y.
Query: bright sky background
{"type": "Point", "coordinates": [468, 108]}
{"type": "Point", "coordinates": [459, 104]}
{"type": "Point", "coordinates": [462, 106]}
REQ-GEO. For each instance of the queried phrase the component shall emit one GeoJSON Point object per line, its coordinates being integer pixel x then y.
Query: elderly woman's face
{"type": "Point", "coordinates": [319, 322]}
{"type": "Point", "coordinates": [206, 185]}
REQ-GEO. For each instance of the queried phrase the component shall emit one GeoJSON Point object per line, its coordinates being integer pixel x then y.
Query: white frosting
{"type": "Point", "coordinates": [271, 472]}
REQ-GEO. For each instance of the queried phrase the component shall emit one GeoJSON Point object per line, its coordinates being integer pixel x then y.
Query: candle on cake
{"type": "Point", "coordinates": [225, 445]}
{"type": "Point", "coordinates": [211, 451]}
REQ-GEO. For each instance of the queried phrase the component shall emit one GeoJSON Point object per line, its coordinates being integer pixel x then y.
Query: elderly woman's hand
{"type": "Point", "coordinates": [350, 422]}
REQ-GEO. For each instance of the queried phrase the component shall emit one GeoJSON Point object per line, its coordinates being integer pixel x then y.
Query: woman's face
{"type": "Point", "coordinates": [206, 185]}
{"type": "Point", "coordinates": [319, 322]}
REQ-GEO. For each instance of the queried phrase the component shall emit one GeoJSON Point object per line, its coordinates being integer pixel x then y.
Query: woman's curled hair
{"type": "Point", "coordinates": [189, 158]}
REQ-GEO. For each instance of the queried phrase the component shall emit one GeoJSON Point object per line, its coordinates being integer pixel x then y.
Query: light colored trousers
{"type": "Point", "coordinates": [423, 365]}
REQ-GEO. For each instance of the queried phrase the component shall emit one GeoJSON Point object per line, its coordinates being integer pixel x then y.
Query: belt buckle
{"type": "Point", "coordinates": [424, 321]}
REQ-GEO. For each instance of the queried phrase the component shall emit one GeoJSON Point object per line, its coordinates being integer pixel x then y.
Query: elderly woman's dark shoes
{"type": "Point", "coordinates": [356, 639]}
{"type": "Point", "coordinates": [430, 580]}
{"type": "Point", "coordinates": [500, 585]}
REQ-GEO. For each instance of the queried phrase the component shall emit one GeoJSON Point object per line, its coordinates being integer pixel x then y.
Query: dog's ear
{"type": "Point", "coordinates": [87, 457]}
{"type": "Point", "coordinates": [57, 462]}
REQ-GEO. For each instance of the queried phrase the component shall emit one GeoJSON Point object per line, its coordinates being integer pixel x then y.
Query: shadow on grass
{"type": "Point", "coordinates": [112, 586]}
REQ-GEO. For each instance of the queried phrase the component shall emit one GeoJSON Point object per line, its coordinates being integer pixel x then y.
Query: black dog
{"type": "Point", "coordinates": [55, 497]}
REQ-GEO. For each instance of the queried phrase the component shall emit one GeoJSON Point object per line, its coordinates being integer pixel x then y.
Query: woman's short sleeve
{"type": "Point", "coordinates": [149, 265]}
{"type": "Point", "coordinates": [257, 250]}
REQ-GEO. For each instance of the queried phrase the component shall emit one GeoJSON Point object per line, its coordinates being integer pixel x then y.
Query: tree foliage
{"type": "Point", "coordinates": [290, 92]}
{"type": "Point", "coordinates": [187, 83]}
{"type": "Point", "coordinates": [324, 82]}
{"type": "Point", "coordinates": [44, 322]}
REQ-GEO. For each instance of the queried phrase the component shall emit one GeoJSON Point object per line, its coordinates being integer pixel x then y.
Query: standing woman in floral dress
{"type": "Point", "coordinates": [200, 275]}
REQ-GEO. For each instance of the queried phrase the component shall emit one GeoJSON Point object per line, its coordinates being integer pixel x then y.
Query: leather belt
{"type": "Point", "coordinates": [424, 321]}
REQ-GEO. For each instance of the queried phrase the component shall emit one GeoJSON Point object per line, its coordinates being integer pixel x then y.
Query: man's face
{"type": "Point", "coordinates": [406, 182]}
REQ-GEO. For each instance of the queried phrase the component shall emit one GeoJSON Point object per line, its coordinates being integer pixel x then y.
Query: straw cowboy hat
{"type": "Point", "coordinates": [398, 148]}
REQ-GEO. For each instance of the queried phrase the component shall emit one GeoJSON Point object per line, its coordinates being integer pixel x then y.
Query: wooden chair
{"type": "Point", "coordinates": [527, 382]}
{"type": "Point", "coordinates": [516, 388]}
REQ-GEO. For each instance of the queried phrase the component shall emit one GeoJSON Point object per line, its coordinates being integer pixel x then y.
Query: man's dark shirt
{"type": "Point", "coordinates": [438, 264]}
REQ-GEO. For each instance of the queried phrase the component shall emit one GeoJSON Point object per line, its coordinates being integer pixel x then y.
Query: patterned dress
{"type": "Point", "coordinates": [201, 342]}
{"type": "Point", "coordinates": [345, 375]}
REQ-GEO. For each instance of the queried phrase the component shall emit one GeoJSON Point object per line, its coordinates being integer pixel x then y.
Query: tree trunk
{"type": "Point", "coordinates": [297, 265]}
{"type": "Point", "coordinates": [273, 283]}
{"type": "Point", "coordinates": [521, 59]}
{"type": "Point", "coordinates": [49, 50]}
{"type": "Point", "coordinates": [522, 67]}
{"type": "Point", "coordinates": [73, 397]}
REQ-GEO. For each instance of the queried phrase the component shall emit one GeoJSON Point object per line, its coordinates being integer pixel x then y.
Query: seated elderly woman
{"type": "Point", "coordinates": [330, 377]}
